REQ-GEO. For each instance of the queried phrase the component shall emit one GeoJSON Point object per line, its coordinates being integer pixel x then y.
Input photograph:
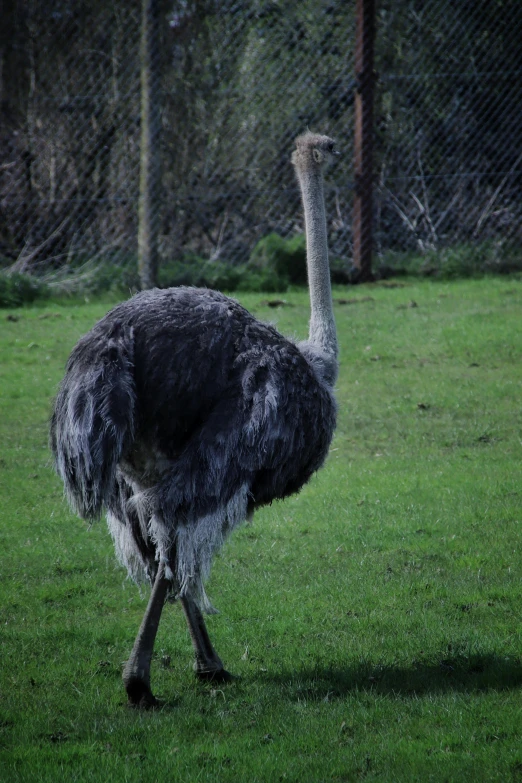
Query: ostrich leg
{"type": "Point", "coordinates": [208, 665]}
{"type": "Point", "coordinates": [136, 674]}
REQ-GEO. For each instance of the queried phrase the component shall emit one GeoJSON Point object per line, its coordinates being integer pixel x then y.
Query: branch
{"type": "Point", "coordinates": [487, 209]}
{"type": "Point", "coordinates": [23, 261]}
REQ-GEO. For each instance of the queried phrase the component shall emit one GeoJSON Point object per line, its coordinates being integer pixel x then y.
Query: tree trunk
{"type": "Point", "coordinates": [363, 140]}
{"type": "Point", "coordinates": [149, 201]}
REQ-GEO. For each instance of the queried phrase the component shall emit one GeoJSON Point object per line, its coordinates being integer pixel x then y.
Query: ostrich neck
{"type": "Point", "coordinates": [322, 323]}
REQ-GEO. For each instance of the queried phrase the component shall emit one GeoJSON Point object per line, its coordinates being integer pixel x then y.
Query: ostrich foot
{"type": "Point", "coordinates": [208, 665]}
{"type": "Point", "coordinates": [140, 695]}
{"type": "Point", "coordinates": [213, 675]}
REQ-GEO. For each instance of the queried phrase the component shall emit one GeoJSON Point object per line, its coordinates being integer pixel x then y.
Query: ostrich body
{"type": "Point", "coordinates": [180, 413]}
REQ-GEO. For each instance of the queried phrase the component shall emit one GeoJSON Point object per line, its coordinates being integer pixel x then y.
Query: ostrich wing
{"type": "Point", "coordinates": [262, 440]}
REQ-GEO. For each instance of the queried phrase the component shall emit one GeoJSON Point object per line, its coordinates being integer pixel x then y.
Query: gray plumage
{"type": "Point", "coordinates": [180, 413]}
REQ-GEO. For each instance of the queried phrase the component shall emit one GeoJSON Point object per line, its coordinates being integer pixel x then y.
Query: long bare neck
{"type": "Point", "coordinates": [323, 333]}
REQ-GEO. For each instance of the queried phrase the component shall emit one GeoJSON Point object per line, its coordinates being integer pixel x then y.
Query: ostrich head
{"type": "Point", "coordinates": [313, 151]}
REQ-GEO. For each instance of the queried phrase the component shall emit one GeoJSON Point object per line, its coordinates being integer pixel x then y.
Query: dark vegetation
{"type": "Point", "coordinates": [18, 289]}
{"type": "Point", "coordinates": [238, 81]}
{"type": "Point", "coordinates": [275, 265]}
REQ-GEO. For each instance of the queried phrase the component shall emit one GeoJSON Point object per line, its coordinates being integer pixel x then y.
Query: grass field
{"type": "Point", "coordinates": [374, 620]}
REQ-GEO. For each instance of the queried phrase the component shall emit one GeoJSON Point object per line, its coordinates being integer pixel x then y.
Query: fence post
{"type": "Point", "coordinates": [363, 141]}
{"type": "Point", "coordinates": [149, 198]}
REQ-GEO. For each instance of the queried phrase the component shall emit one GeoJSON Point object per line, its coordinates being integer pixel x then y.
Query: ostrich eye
{"type": "Point", "coordinates": [331, 146]}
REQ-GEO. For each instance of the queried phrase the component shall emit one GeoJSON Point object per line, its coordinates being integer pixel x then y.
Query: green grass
{"type": "Point", "coordinates": [374, 619]}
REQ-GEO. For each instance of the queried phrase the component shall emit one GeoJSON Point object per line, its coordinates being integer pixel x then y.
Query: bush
{"type": "Point", "coordinates": [219, 275]}
{"type": "Point", "coordinates": [113, 279]}
{"type": "Point", "coordinates": [123, 278]}
{"type": "Point", "coordinates": [454, 262]}
{"type": "Point", "coordinates": [261, 280]}
{"type": "Point", "coordinates": [457, 261]}
{"type": "Point", "coordinates": [18, 289]}
{"type": "Point", "coordinates": [200, 272]}
{"type": "Point", "coordinates": [286, 258]}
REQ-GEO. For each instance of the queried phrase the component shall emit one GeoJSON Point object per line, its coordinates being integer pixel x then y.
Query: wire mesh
{"type": "Point", "coordinates": [449, 130]}
{"type": "Point", "coordinates": [239, 80]}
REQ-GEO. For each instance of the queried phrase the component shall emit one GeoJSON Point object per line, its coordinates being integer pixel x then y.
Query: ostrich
{"type": "Point", "coordinates": [180, 414]}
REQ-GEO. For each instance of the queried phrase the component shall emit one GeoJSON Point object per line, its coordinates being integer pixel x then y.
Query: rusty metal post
{"type": "Point", "coordinates": [363, 142]}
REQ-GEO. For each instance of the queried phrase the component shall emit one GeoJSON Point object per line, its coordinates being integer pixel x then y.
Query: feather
{"type": "Point", "coordinates": [179, 412]}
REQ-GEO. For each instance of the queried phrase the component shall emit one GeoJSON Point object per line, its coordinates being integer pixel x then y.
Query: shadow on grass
{"type": "Point", "coordinates": [464, 674]}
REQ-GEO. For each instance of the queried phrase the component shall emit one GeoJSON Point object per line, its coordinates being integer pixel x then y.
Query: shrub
{"type": "Point", "coordinates": [111, 278]}
{"type": "Point", "coordinates": [287, 260]}
{"type": "Point", "coordinates": [219, 275]}
{"type": "Point", "coordinates": [284, 257]}
{"type": "Point", "coordinates": [261, 280]}
{"type": "Point", "coordinates": [457, 261]}
{"type": "Point", "coordinates": [341, 272]}
{"type": "Point", "coordinates": [18, 289]}
{"type": "Point", "coordinates": [200, 272]}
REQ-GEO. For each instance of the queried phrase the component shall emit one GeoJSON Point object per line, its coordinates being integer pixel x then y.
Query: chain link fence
{"type": "Point", "coordinates": [449, 127]}
{"type": "Point", "coordinates": [238, 81]}
{"type": "Point", "coordinates": [70, 138]}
